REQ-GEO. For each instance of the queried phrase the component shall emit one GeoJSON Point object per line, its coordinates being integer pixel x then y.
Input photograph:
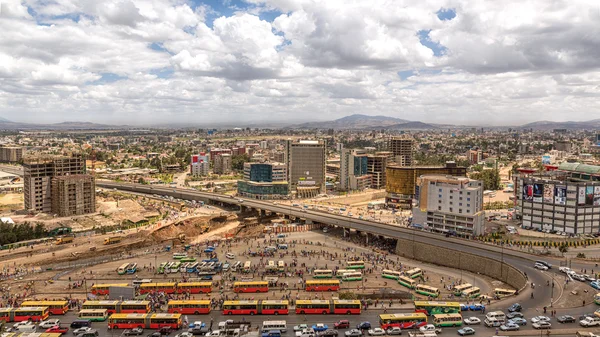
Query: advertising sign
{"type": "Point", "coordinates": [548, 193]}
{"type": "Point", "coordinates": [546, 160]}
{"type": "Point", "coordinates": [596, 195]}
{"type": "Point", "coordinates": [528, 192]}
{"type": "Point", "coordinates": [538, 192]}
{"type": "Point", "coordinates": [581, 196]}
{"type": "Point", "coordinates": [560, 195]}
{"type": "Point", "coordinates": [589, 195]}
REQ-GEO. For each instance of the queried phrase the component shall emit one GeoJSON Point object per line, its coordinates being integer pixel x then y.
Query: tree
{"type": "Point", "coordinates": [237, 161]}
{"type": "Point", "coordinates": [563, 249]}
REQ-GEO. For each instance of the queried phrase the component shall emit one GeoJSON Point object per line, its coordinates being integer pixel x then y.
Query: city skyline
{"type": "Point", "coordinates": [192, 62]}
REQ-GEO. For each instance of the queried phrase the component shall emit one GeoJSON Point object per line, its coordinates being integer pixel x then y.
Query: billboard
{"type": "Point", "coordinates": [589, 195]}
{"type": "Point", "coordinates": [548, 193]}
{"type": "Point", "coordinates": [546, 160]}
{"type": "Point", "coordinates": [528, 192]}
{"type": "Point", "coordinates": [596, 195]}
{"type": "Point", "coordinates": [581, 195]}
{"type": "Point", "coordinates": [538, 192]}
{"type": "Point", "coordinates": [560, 195]}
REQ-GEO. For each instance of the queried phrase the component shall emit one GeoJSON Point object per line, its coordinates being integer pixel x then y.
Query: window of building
{"type": "Point", "coordinates": [451, 197]}
{"type": "Point", "coordinates": [460, 210]}
{"type": "Point", "coordinates": [460, 204]}
{"type": "Point", "coordinates": [468, 211]}
{"type": "Point", "coordinates": [468, 199]}
{"type": "Point", "coordinates": [439, 195]}
{"type": "Point", "coordinates": [450, 209]}
{"type": "Point", "coordinates": [468, 205]}
{"type": "Point", "coordinates": [450, 202]}
{"type": "Point", "coordinates": [468, 193]}
{"type": "Point", "coordinates": [439, 208]}
{"type": "Point", "coordinates": [440, 190]}
{"type": "Point", "coordinates": [439, 201]}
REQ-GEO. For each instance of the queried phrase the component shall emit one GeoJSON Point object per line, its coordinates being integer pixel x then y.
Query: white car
{"type": "Point", "coordinates": [394, 331]}
{"type": "Point", "coordinates": [564, 269]}
{"type": "Point", "coordinates": [82, 330]}
{"type": "Point", "coordinates": [472, 320]}
{"type": "Point", "coordinates": [538, 319]}
{"type": "Point", "coordinates": [47, 324]}
{"type": "Point", "coordinates": [540, 266]}
{"type": "Point", "coordinates": [376, 332]}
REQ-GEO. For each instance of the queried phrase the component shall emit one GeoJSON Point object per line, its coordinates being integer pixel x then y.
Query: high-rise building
{"type": "Point", "coordinates": [475, 156]}
{"type": "Point", "coordinates": [42, 186]}
{"type": "Point", "coordinates": [401, 181]}
{"type": "Point", "coordinates": [376, 165]}
{"type": "Point", "coordinates": [305, 162]}
{"type": "Point", "coordinates": [402, 148]}
{"type": "Point", "coordinates": [562, 145]}
{"type": "Point", "coordinates": [264, 181]}
{"type": "Point", "coordinates": [449, 205]}
{"type": "Point", "coordinates": [200, 165]}
{"type": "Point", "coordinates": [354, 170]}
{"type": "Point", "coordinates": [11, 154]}
{"type": "Point", "coordinates": [214, 153]}
{"type": "Point", "coordinates": [222, 164]}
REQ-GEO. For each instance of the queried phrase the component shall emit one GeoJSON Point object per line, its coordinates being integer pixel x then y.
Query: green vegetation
{"type": "Point", "coordinates": [237, 162]}
{"type": "Point", "coordinates": [490, 178]}
{"type": "Point", "coordinates": [497, 205]}
{"type": "Point", "coordinates": [10, 233]}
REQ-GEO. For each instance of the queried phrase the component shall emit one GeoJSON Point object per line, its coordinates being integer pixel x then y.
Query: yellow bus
{"type": "Point", "coordinates": [103, 289]}
{"type": "Point", "coordinates": [472, 292]}
{"type": "Point", "coordinates": [407, 282]}
{"type": "Point", "coordinates": [458, 289]}
{"type": "Point", "coordinates": [134, 307]}
{"type": "Point", "coordinates": [427, 290]}
{"type": "Point", "coordinates": [443, 320]}
{"type": "Point", "coordinates": [321, 273]}
{"type": "Point", "coordinates": [402, 321]}
{"type": "Point", "coordinates": [94, 315]}
{"type": "Point", "coordinates": [355, 265]}
{"type": "Point", "coordinates": [340, 272]}
{"type": "Point", "coordinates": [414, 273]}
{"type": "Point", "coordinates": [54, 307]}
{"type": "Point", "coordinates": [504, 292]}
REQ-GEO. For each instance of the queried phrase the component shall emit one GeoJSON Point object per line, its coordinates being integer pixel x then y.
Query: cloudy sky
{"type": "Point", "coordinates": [155, 61]}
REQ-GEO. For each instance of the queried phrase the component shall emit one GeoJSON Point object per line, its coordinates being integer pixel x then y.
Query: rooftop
{"type": "Point", "coordinates": [580, 168]}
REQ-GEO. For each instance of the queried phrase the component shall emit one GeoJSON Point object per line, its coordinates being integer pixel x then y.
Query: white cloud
{"type": "Point", "coordinates": [167, 60]}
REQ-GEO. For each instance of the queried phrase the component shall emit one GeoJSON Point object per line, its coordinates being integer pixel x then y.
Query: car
{"type": "Point", "coordinates": [133, 332]}
{"type": "Point", "coordinates": [567, 319]}
{"type": "Point", "coordinates": [589, 278]}
{"type": "Point", "coordinates": [430, 328]}
{"type": "Point", "coordinates": [582, 317]}
{"type": "Point", "coordinates": [472, 320]}
{"type": "Point", "coordinates": [393, 331]}
{"type": "Point", "coordinates": [91, 333]}
{"type": "Point", "coordinates": [49, 323]}
{"type": "Point", "coordinates": [590, 321]}
{"type": "Point", "coordinates": [165, 330]}
{"type": "Point", "coordinates": [595, 284]}
{"type": "Point", "coordinates": [538, 319]}
{"type": "Point", "coordinates": [342, 324]}
{"type": "Point", "coordinates": [476, 307]}
{"type": "Point", "coordinates": [81, 330]}
{"type": "Point", "coordinates": [515, 307]}
{"type": "Point", "coordinates": [353, 333]}
{"type": "Point", "coordinates": [58, 329]}
{"type": "Point", "coordinates": [540, 266]}
{"type": "Point", "coordinates": [154, 334]}
{"type": "Point", "coordinates": [306, 333]}
{"type": "Point", "coordinates": [196, 324]}
{"type": "Point", "coordinates": [514, 314]}
{"type": "Point", "coordinates": [328, 333]}
{"type": "Point", "coordinates": [185, 334]}
{"type": "Point", "coordinates": [319, 327]}
{"type": "Point", "coordinates": [300, 327]}
{"type": "Point", "coordinates": [518, 320]}
{"type": "Point", "coordinates": [578, 277]}
{"type": "Point", "coordinates": [376, 332]}
{"type": "Point", "coordinates": [464, 307]}
{"type": "Point", "coordinates": [363, 326]}
{"type": "Point", "coordinates": [509, 327]}
{"type": "Point", "coordinates": [466, 331]}
{"type": "Point", "coordinates": [564, 269]}
{"type": "Point", "coordinates": [542, 325]}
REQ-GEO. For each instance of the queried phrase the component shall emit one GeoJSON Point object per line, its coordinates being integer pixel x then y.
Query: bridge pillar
{"type": "Point", "coordinates": [308, 222]}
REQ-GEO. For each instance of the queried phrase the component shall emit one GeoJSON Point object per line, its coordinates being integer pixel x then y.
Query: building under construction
{"type": "Point", "coordinates": [58, 185]}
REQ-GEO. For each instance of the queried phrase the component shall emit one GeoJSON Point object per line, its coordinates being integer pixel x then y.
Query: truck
{"type": "Point", "coordinates": [113, 240]}
{"type": "Point", "coordinates": [590, 321]}
{"type": "Point", "coordinates": [64, 240]}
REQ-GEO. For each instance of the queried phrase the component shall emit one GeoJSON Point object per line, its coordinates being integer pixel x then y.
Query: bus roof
{"type": "Point", "coordinates": [101, 285]}
{"type": "Point", "coordinates": [250, 282]}
{"type": "Point", "coordinates": [31, 308]}
{"type": "Point", "coordinates": [163, 315]}
{"type": "Point", "coordinates": [463, 286]}
{"type": "Point", "coordinates": [132, 316]}
{"type": "Point", "coordinates": [390, 271]}
{"type": "Point", "coordinates": [322, 270]}
{"type": "Point", "coordinates": [404, 315]}
{"type": "Point", "coordinates": [436, 303]}
{"type": "Point", "coordinates": [136, 302]}
{"type": "Point", "coordinates": [173, 302]}
{"type": "Point", "coordinates": [240, 302]}
{"type": "Point", "coordinates": [194, 284]}
{"type": "Point", "coordinates": [312, 302]}
{"type": "Point", "coordinates": [346, 301]}
{"type": "Point", "coordinates": [275, 302]}
{"type": "Point", "coordinates": [357, 262]}
{"type": "Point", "coordinates": [41, 303]}
{"type": "Point", "coordinates": [165, 284]}
{"type": "Point", "coordinates": [501, 289]}
{"type": "Point", "coordinates": [323, 281]}
{"type": "Point", "coordinates": [92, 310]}
{"type": "Point", "coordinates": [274, 322]}
{"type": "Point", "coordinates": [446, 315]}
{"type": "Point", "coordinates": [414, 270]}
{"type": "Point", "coordinates": [101, 302]}
{"type": "Point", "coordinates": [124, 265]}
{"type": "Point", "coordinates": [471, 289]}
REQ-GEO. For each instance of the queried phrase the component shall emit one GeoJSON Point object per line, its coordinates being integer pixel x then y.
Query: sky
{"type": "Point", "coordinates": [145, 62]}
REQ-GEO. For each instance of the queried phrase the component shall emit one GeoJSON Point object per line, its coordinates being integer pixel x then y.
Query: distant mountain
{"type": "Point", "coordinates": [8, 125]}
{"type": "Point", "coordinates": [411, 126]}
{"type": "Point", "coordinates": [4, 120]}
{"type": "Point", "coordinates": [550, 125]}
{"type": "Point", "coordinates": [356, 121]}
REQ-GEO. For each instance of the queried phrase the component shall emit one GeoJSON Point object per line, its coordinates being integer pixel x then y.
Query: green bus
{"type": "Point", "coordinates": [354, 276]}
{"type": "Point", "coordinates": [340, 272]}
{"type": "Point", "coordinates": [427, 290]}
{"type": "Point", "coordinates": [175, 267]}
{"type": "Point", "coordinates": [322, 273]}
{"type": "Point", "coordinates": [458, 290]}
{"type": "Point", "coordinates": [188, 259]}
{"type": "Point", "coordinates": [472, 292]}
{"type": "Point", "coordinates": [394, 275]}
{"type": "Point", "coordinates": [407, 282]}
{"type": "Point", "coordinates": [94, 315]}
{"type": "Point", "coordinates": [436, 307]}
{"type": "Point", "coordinates": [442, 320]}
{"type": "Point", "coordinates": [161, 268]}
{"type": "Point", "coordinates": [355, 265]}
{"type": "Point", "coordinates": [414, 273]}
{"type": "Point", "coordinates": [597, 298]}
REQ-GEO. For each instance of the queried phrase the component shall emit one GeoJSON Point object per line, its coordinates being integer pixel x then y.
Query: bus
{"type": "Point", "coordinates": [458, 290]}
{"type": "Point", "coordinates": [434, 307]}
{"type": "Point", "coordinates": [112, 240]}
{"type": "Point", "coordinates": [192, 268]}
{"type": "Point", "coordinates": [132, 268]}
{"type": "Point", "coordinates": [273, 307]}
{"type": "Point", "coordinates": [252, 307]}
{"type": "Point", "coordinates": [394, 275]}
{"type": "Point", "coordinates": [194, 287]}
{"type": "Point", "coordinates": [340, 272]}
{"type": "Point", "coordinates": [597, 298]}
{"type": "Point", "coordinates": [407, 282]}
{"type": "Point", "coordinates": [322, 273]}
{"type": "Point", "coordinates": [144, 321]}
{"type": "Point", "coordinates": [111, 307]}
{"type": "Point", "coordinates": [174, 267]}
{"type": "Point", "coordinates": [414, 273]}
{"type": "Point", "coordinates": [54, 307]}
{"type": "Point", "coordinates": [247, 266]}
{"type": "Point", "coordinates": [355, 265]}
{"type": "Point", "coordinates": [195, 307]}
{"type": "Point", "coordinates": [271, 265]}
{"type": "Point", "coordinates": [472, 292]}
{"type": "Point", "coordinates": [504, 292]}
{"type": "Point", "coordinates": [442, 320]}
{"type": "Point", "coordinates": [104, 289]}
{"type": "Point", "coordinates": [137, 282]}
{"type": "Point", "coordinates": [427, 290]}
{"type": "Point", "coordinates": [403, 321]}
{"type": "Point", "coordinates": [34, 314]}
{"type": "Point", "coordinates": [167, 287]}
{"type": "Point", "coordinates": [251, 287]}
{"type": "Point", "coordinates": [122, 270]}
{"type": "Point", "coordinates": [322, 285]}
{"type": "Point", "coordinates": [322, 307]}
{"type": "Point", "coordinates": [355, 276]}
{"type": "Point", "coordinates": [178, 256]}
{"type": "Point", "coordinates": [134, 307]}
{"type": "Point", "coordinates": [94, 315]}
{"type": "Point", "coordinates": [161, 267]}
{"type": "Point", "coordinates": [280, 266]}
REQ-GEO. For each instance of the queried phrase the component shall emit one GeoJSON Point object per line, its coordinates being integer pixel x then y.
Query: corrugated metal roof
{"type": "Point", "coordinates": [581, 168]}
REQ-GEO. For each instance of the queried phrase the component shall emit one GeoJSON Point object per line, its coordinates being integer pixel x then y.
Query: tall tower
{"type": "Point", "coordinates": [402, 148]}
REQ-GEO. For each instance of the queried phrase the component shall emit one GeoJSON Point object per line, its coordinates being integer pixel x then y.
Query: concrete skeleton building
{"type": "Point", "coordinates": [376, 165]}
{"type": "Point", "coordinates": [402, 149]}
{"type": "Point", "coordinates": [305, 163]}
{"type": "Point", "coordinates": [58, 185]}
{"type": "Point", "coordinates": [11, 154]}
{"type": "Point", "coordinates": [354, 170]}
{"type": "Point", "coordinates": [451, 205]}
{"type": "Point", "coordinates": [222, 164]}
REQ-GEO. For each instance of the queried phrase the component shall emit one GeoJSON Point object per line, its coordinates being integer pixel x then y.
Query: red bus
{"type": "Point", "coordinates": [346, 307]}
{"type": "Point", "coordinates": [200, 307]}
{"type": "Point", "coordinates": [273, 307]}
{"type": "Point", "coordinates": [34, 314]}
{"type": "Point", "coordinates": [266, 307]}
{"type": "Point", "coordinates": [54, 307]}
{"type": "Point", "coordinates": [134, 307]}
{"type": "Point", "coordinates": [103, 289]}
{"type": "Point", "coordinates": [168, 287]}
{"type": "Point", "coordinates": [320, 307]}
{"type": "Point", "coordinates": [403, 321]}
{"type": "Point", "coordinates": [322, 285]}
{"type": "Point", "coordinates": [194, 287]}
{"type": "Point", "coordinates": [144, 321]}
{"type": "Point", "coordinates": [251, 287]}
